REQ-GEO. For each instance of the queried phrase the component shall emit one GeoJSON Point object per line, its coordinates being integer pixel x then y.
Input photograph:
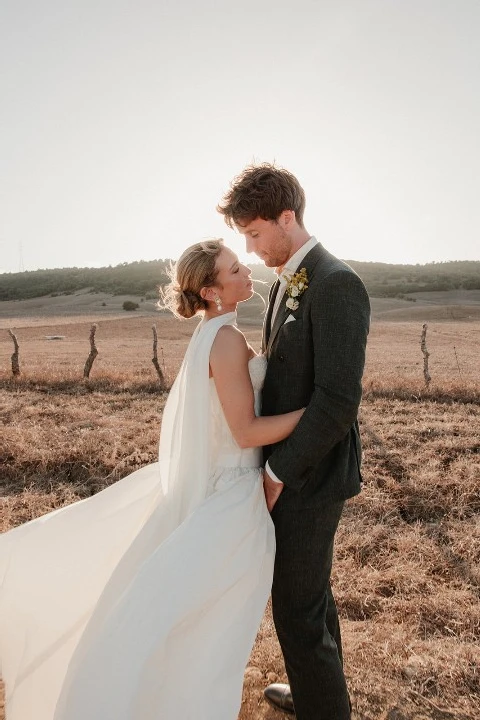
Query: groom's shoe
{"type": "Point", "coordinates": [280, 697]}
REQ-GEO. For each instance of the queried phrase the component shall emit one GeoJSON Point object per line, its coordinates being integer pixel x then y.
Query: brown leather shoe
{"type": "Point", "coordinates": [280, 697]}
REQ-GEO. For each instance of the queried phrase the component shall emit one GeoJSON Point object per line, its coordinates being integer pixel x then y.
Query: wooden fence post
{"type": "Point", "coordinates": [15, 363]}
{"type": "Point", "coordinates": [93, 352]}
{"type": "Point", "coordinates": [426, 354]}
{"type": "Point", "coordinates": [155, 357]}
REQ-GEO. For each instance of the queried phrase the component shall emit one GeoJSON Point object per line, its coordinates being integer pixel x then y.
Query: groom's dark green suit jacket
{"type": "Point", "coordinates": [316, 361]}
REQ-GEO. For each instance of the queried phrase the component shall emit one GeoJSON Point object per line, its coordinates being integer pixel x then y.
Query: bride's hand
{"type": "Point", "coordinates": [272, 490]}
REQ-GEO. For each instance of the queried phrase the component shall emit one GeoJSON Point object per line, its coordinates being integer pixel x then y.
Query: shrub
{"type": "Point", "coordinates": [129, 305]}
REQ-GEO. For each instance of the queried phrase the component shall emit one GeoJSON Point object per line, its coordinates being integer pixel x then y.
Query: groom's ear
{"type": "Point", "coordinates": [287, 219]}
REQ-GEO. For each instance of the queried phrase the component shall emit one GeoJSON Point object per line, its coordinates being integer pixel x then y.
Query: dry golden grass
{"type": "Point", "coordinates": [407, 565]}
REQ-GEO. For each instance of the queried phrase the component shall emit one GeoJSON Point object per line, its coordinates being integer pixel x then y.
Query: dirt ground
{"type": "Point", "coordinates": [407, 562]}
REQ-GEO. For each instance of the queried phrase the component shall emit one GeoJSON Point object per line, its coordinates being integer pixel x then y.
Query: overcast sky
{"type": "Point", "coordinates": [123, 122]}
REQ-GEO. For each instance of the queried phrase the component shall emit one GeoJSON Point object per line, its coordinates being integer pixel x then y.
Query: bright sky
{"type": "Point", "coordinates": [123, 122]}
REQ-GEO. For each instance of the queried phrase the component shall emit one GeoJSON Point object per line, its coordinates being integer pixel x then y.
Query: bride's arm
{"type": "Point", "coordinates": [229, 367]}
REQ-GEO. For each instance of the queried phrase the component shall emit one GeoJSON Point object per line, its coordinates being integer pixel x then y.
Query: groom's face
{"type": "Point", "coordinates": [268, 239]}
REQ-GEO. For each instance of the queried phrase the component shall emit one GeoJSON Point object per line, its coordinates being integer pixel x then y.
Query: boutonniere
{"type": "Point", "coordinates": [296, 286]}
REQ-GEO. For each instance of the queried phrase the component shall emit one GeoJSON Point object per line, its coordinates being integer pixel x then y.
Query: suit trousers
{"type": "Point", "coordinates": [304, 609]}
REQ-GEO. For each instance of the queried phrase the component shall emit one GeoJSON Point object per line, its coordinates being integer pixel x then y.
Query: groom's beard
{"type": "Point", "coordinates": [279, 250]}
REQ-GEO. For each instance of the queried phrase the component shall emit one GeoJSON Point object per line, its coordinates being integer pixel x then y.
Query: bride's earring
{"type": "Point", "coordinates": [218, 303]}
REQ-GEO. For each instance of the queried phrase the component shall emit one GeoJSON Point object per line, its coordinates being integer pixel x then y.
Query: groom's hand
{"type": "Point", "coordinates": [272, 490]}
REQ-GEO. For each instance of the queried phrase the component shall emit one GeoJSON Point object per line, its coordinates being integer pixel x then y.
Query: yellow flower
{"type": "Point", "coordinates": [296, 286]}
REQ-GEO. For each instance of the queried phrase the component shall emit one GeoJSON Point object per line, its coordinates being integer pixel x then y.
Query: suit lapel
{"type": "Point", "coordinates": [308, 262]}
{"type": "Point", "coordinates": [280, 318]}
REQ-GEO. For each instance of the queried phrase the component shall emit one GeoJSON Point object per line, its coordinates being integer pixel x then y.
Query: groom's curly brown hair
{"type": "Point", "coordinates": [263, 191]}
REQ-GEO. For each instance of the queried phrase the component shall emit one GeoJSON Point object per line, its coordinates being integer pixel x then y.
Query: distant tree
{"type": "Point", "coordinates": [129, 305]}
{"type": "Point", "coordinates": [142, 279]}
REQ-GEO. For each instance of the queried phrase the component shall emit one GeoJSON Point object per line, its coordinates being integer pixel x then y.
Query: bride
{"type": "Point", "coordinates": [108, 605]}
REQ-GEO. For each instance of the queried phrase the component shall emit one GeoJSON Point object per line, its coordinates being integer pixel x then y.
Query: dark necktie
{"type": "Point", "coordinates": [271, 305]}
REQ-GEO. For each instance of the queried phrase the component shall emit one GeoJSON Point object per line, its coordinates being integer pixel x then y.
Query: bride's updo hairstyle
{"type": "Point", "coordinates": [195, 269]}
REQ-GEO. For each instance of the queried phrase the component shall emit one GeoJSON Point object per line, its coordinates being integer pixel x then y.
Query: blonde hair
{"type": "Point", "coordinates": [195, 269]}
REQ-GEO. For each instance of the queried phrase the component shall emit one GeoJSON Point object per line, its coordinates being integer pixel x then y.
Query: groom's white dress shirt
{"type": "Point", "coordinates": [288, 269]}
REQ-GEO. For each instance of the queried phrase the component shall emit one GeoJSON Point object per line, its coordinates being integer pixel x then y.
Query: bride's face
{"type": "Point", "coordinates": [233, 283]}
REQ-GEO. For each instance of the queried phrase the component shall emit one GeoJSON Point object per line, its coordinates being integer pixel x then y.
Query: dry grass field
{"type": "Point", "coordinates": [408, 553]}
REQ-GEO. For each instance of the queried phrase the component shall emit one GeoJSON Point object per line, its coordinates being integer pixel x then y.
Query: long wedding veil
{"type": "Point", "coordinates": [61, 574]}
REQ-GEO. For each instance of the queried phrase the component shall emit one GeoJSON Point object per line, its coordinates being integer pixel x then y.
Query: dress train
{"type": "Point", "coordinates": [143, 602]}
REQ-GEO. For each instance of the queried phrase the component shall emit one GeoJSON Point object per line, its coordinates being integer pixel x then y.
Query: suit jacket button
{"type": "Point", "coordinates": [281, 358]}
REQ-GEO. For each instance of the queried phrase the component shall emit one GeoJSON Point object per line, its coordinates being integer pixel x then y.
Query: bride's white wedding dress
{"type": "Point", "coordinates": [143, 602]}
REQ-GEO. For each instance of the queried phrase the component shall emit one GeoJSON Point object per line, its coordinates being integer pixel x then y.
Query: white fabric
{"type": "Point", "coordinates": [143, 602]}
{"type": "Point", "coordinates": [290, 267]}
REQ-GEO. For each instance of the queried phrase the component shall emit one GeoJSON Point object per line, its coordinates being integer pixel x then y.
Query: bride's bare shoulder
{"type": "Point", "coordinates": [229, 343]}
{"type": "Point", "coordinates": [234, 339]}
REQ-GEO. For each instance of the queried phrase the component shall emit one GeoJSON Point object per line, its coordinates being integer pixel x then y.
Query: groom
{"type": "Point", "coordinates": [314, 335]}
